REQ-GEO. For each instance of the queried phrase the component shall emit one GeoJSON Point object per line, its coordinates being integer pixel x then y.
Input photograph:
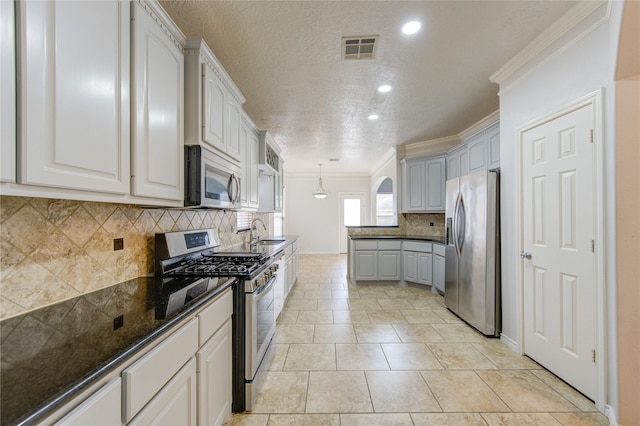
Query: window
{"type": "Point", "coordinates": [243, 220]}
{"type": "Point", "coordinates": [384, 203]}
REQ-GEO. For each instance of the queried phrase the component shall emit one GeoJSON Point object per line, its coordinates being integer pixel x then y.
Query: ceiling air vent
{"type": "Point", "coordinates": [363, 47]}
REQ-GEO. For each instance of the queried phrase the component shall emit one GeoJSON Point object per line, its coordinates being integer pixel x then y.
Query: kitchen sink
{"type": "Point", "coordinates": [270, 241]}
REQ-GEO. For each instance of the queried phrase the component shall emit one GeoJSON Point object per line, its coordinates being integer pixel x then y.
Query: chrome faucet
{"type": "Point", "coordinates": [255, 238]}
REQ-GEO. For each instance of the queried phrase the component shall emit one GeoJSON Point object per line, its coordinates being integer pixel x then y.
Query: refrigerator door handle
{"type": "Point", "coordinates": [460, 219]}
{"type": "Point", "coordinates": [458, 227]}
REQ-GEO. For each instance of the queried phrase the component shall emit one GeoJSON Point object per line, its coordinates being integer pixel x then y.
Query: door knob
{"type": "Point", "coordinates": [525, 255]}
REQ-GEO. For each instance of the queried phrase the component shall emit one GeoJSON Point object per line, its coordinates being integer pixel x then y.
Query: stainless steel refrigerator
{"type": "Point", "coordinates": [472, 262]}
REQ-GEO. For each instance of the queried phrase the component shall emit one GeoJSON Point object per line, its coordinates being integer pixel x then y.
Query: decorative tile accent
{"type": "Point", "coordinates": [52, 250]}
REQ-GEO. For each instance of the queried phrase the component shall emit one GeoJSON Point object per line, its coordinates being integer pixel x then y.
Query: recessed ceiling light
{"type": "Point", "coordinates": [411, 27]}
{"type": "Point", "coordinates": [384, 88]}
{"type": "Point", "coordinates": [373, 116]}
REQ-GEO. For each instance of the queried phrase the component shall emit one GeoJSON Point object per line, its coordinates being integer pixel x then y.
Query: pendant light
{"type": "Point", "coordinates": [320, 192]}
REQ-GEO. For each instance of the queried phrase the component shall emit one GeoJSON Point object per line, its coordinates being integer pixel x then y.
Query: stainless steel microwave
{"type": "Point", "coordinates": [210, 180]}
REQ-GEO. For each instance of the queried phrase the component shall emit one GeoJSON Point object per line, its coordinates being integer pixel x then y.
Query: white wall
{"type": "Point", "coordinates": [581, 62]}
{"type": "Point", "coordinates": [317, 222]}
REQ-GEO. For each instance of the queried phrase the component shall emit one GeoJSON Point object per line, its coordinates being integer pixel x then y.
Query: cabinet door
{"type": "Point", "coordinates": [366, 265]}
{"type": "Point", "coordinates": [435, 194]}
{"type": "Point", "coordinates": [493, 143]}
{"type": "Point", "coordinates": [158, 105]}
{"type": "Point", "coordinates": [176, 403]}
{"type": "Point", "coordinates": [244, 179]}
{"type": "Point", "coordinates": [101, 408]}
{"type": "Point", "coordinates": [7, 93]}
{"type": "Point", "coordinates": [74, 86]}
{"type": "Point", "coordinates": [389, 265]}
{"type": "Point", "coordinates": [252, 164]}
{"type": "Point", "coordinates": [438, 272]}
{"type": "Point", "coordinates": [410, 265]}
{"type": "Point", "coordinates": [415, 185]}
{"type": "Point", "coordinates": [478, 153]}
{"type": "Point", "coordinates": [232, 134]}
{"type": "Point", "coordinates": [213, 108]}
{"type": "Point", "coordinates": [453, 165]}
{"type": "Point", "coordinates": [425, 268]}
{"type": "Point", "coordinates": [214, 378]}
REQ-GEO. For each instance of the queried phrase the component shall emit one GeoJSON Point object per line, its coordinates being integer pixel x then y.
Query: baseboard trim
{"type": "Point", "coordinates": [510, 343]}
{"type": "Point", "coordinates": [611, 415]}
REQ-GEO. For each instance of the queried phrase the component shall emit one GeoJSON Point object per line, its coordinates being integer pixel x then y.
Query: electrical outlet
{"type": "Point", "coordinates": [118, 244]}
{"type": "Point", "coordinates": [118, 322]}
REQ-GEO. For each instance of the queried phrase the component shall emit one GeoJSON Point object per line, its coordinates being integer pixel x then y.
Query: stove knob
{"type": "Point", "coordinates": [260, 281]}
{"type": "Point", "coordinates": [276, 267]}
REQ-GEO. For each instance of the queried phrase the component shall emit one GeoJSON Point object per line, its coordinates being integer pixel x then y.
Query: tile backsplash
{"type": "Point", "coordinates": [409, 224]}
{"type": "Point", "coordinates": [52, 250]}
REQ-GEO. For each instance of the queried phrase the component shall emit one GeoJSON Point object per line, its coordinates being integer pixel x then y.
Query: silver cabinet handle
{"type": "Point", "coordinates": [525, 255]}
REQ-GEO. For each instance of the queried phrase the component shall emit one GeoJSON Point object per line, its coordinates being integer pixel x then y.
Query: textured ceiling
{"type": "Point", "coordinates": [286, 59]}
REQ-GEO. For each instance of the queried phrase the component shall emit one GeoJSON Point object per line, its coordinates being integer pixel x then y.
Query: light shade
{"type": "Point", "coordinates": [320, 191]}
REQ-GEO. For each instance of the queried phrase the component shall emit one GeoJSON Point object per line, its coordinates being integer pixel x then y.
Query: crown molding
{"type": "Point", "coordinates": [315, 175]}
{"type": "Point", "coordinates": [480, 125]}
{"type": "Point", "coordinates": [552, 34]}
{"type": "Point", "coordinates": [433, 146]}
{"type": "Point", "coordinates": [388, 156]}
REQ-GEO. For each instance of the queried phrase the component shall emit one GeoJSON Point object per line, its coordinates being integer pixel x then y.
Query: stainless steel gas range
{"type": "Point", "coordinates": [193, 254]}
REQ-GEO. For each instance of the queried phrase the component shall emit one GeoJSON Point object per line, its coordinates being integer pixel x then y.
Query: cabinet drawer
{"type": "Point", "coordinates": [417, 246]}
{"type": "Point", "coordinates": [365, 245]}
{"type": "Point", "coordinates": [148, 375]}
{"type": "Point", "coordinates": [101, 408]}
{"type": "Point", "coordinates": [390, 245]}
{"type": "Point", "coordinates": [212, 317]}
{"type": "Point", "coordinates": [439, 249]}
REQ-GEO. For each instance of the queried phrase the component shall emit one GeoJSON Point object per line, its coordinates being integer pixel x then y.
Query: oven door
{"type": "Point", "coordinates": [210, 180]}
{"type": "Point", "coordinates": [260, 325]}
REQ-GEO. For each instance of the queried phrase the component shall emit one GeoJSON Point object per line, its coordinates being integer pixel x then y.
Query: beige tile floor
{"type": "Point", "coordinates": [390, 355]}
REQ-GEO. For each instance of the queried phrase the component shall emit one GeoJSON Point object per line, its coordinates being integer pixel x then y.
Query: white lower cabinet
{"type": "Point", "coordinates": [176, 403]}
{"type": "Point", "coordinates": [438, 266]}
{"type": "Point", "coordinates": [377, 260]}
{"type": "Point", "coordinates": [144, 379]}
{"type": "Point", "coordinates": [417, 264]}
{"type": "Point", "coordinates": [214, 378]}
{"type": "Point", "coordinates": [425, 268]}
{"type": "Point", "coordinates": [389, 263]}
{"type": "Point", "coordinates": [366, 265]}
{"type": "Point", "coordinates": [100, 409]}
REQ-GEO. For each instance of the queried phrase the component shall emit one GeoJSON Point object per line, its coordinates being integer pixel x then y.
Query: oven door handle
{"type": "Point", "coordinates": [266, 286]}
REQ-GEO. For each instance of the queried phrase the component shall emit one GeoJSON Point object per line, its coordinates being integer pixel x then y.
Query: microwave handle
{"type": "Point", "coordinates": [235, 195]}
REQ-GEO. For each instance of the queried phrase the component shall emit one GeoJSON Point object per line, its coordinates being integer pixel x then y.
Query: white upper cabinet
{"type": "Point", "coordinates": [249, 181]}
{"type": "Point", "coordinates": [414, 182]}
{"type": "Point", "coordinates": [158, 100]}
{"type": "Point", "coordinates": [481, 151]}
{"type": "Point", "coordinates": [435, 195]}
{"type": "Point", "coordinates": [212, 109]}
{"type": "Point", "coordinates": [74, 94]}
{"type": "Point", "coordinates": [7, 93]}
{"type": "Point", "coordinates": [423, 184]}
{"type": "Point", "coordinates": [213, 104]}
{"type": "Point", "coordinates": [233, 122]}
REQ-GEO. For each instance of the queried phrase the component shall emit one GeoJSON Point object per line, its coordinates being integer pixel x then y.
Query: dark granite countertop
{"type": "Point", "coordinates": [51, 354]}
{"type": "Point", "coordinates": [397, 237]}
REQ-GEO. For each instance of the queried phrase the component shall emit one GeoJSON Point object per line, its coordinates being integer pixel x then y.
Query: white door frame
{"type": "Point", "coordinates": [363, 213]}
{"type": "Point", "coordinates": [595, 99]}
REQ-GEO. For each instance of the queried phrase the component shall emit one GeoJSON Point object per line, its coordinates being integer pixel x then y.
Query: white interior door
{"type": "Point", "coordinates": [558, 229]}
{"type": "Point", "coordinates": [352, 208]}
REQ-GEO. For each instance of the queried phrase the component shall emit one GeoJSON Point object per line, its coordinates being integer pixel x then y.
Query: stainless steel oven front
{"type": "Point", "coordinates": [210, 180]}
{"type": "Point", "coordinates": [260, 328]}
